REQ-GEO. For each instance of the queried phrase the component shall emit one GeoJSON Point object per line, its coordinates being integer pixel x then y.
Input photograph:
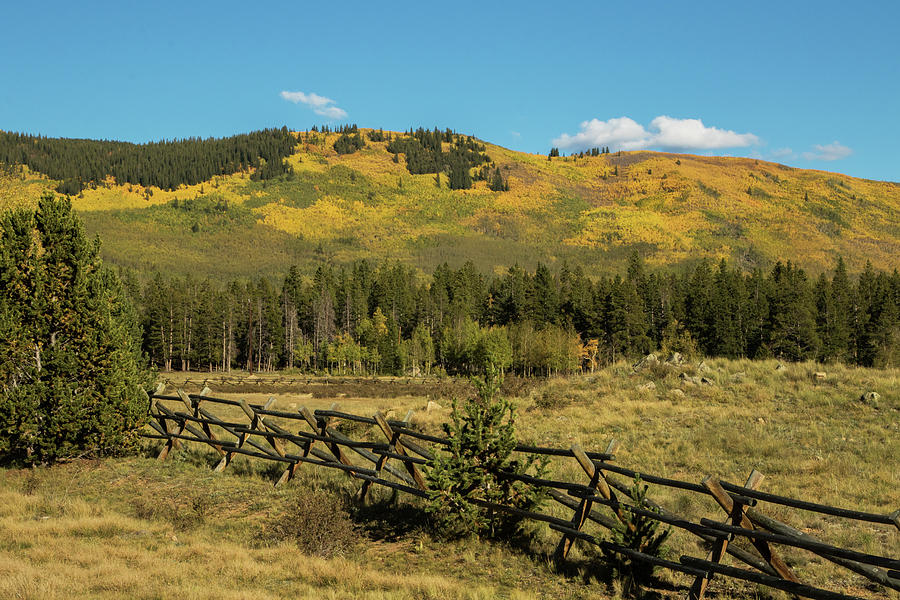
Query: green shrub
{"type": "Point", "coordinates": [482, 438]}
{"type": "Point", "coordinates": [641, 533]}
{"type": "Point", "coordinates": [318, 522]}
{"type": "Point", "coordinates": [72, 378]}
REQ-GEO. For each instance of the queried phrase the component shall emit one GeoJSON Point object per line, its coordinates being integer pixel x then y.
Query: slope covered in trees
{"type": "Point", "coordinates": [429, 196]}
{"type": "Point", "coordinates": [80, 163]}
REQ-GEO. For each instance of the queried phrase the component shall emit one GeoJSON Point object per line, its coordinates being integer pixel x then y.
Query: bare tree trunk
{"type": "Point", "coordinates": [190, 336]}
{"type": "Point", "coordinates": [250, 336]}
{"type": "Point", "coordinates": [223, 345]}
{"type": "Point", "coordinates": [171, 338]}
{"type": "Point", "coordinates": [259, 325]}
{"type": "Point", "coordinates": [230, 345]}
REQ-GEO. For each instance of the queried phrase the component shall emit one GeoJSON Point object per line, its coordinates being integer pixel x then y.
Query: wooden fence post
{"type": "Point", "coordinates": [242, 437]}
{"type": "Point", "coordinates": [584, 507]}
{"type": "Point", "coordinates": [720, 546]}
{"type": "Point", "coordinates": [769, 555]}
{"type": "Point", "coordinates": [320, 427]}
{"type": "Point", "coordinates": [172, 442]}
{"type": "Point", "coordinates": [602, 485]}
{"type": "Point", "coordinates": [394, 441]}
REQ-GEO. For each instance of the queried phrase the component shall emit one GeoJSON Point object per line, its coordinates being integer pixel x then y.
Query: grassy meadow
{"type": "Point", "coordinates": [137, 527]}
{"type": "Point", "coordinates": [592, 211]}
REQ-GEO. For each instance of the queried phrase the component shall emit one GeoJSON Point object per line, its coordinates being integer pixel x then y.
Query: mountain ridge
{"type": "Point", "coordinates": [594, 210]}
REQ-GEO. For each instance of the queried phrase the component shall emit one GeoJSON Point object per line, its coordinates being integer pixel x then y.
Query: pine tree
{"type": "Point", "coordinates": [497, 183]}
{"type": "Point", "coordinates": [71, 373]}
{"type": "Point", "coordinates": [792, 324]}
{"type": "Point", "coordinates": [482, 438]}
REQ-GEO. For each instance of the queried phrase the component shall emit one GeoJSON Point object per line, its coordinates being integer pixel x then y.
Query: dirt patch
{"type": "Point", "coordinates": [359, 388]}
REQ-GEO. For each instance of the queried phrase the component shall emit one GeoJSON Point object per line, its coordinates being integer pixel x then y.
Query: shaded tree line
{"type": "Point", "coordinates": [389, 319]}
{"type": "Point", "coordinates": [348, 144]}
{"type": "Point", "coordinates": [81, 163]}
{"type": "Point", "coordinates": [425, 154]}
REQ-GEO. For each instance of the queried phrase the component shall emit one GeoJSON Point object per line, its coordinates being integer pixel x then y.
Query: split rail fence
{"type": "Point", "coordinates": [397, 461]}
{"type": "Point", "coordinates": [290, 381]}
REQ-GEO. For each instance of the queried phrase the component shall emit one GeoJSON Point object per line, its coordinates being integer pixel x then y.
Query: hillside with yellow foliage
{"type": "Point", "coordinates": [593, 211]}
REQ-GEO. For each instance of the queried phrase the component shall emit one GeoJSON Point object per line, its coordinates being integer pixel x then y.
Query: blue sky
{"type": "Point", "coordinates": [810, 84]}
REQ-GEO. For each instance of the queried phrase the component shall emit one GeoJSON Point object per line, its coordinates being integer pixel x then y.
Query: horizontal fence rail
{"type": "Point", "coordinates": [396, 463]}
{"type": "Point", "coordinates": [224, 381]}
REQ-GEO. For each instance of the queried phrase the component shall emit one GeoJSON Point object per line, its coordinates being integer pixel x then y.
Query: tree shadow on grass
{"type": "Point", "coordinates": [388, 519]}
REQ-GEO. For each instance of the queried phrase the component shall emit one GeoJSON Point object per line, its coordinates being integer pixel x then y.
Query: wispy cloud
{"type": "Point", "coordinates": [320, 105]}
{"type": "Point", "coordinates": [781, 154]}
{"type": "Point", "coordinates": [833, 151]}
{"type": "Point", "coordinates": [664, 132]}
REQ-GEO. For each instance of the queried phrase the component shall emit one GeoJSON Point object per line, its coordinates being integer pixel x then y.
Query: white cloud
{"type": "Point", "coordinates": [664, 132]}
{"type": "Point", "coordinates": [833, 151]}
{"type": "Point", "coordinates": [622, 133]}
{"type": "Point", "coordinates": [781, 153]}
{"type": "Point", "coordinates": [693, 134]}
{"type": "Point", "coordinates": [332, 112]}
{"type": "Point", "coordinates": [319, 104]}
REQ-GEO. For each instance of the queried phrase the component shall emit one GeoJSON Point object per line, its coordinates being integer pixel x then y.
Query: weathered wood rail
{"type": "Point", "coordinates": [224, 381]}
{"type": "Point", "coordinates": [396, 462]}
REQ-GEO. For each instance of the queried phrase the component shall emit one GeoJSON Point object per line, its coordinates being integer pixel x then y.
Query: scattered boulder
{"type": "Point", "coordinates": [432, 406]}
{"type": "Point", "coordinates": [647, 387]}
{"type": "Point", "coordinates": [707, 381]}
{"type": "Point", "coordinates": [780, 367]}
{"type": "Point", "coordinates": [675, 358]}
{"type": "Point", "coordinates": [703, 367]}
{"type": "Point", "coordinates": [871, 397]}
{"type": "Point", "coordinates": [689, 379]}
{"type": "Point", "coordinates": [646, 362]}
{"type": "Point", "coordinates": [819, 375]}
{"type": "Point", "coordinates": [739, 376]}
{"type": "Point", "coordinates": [760, 420]}
{"type": "Point", "coordinates": [676, 393]}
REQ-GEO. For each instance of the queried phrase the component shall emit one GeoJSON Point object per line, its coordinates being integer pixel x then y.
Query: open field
{"type": "Point", "coordinates": [141, 528]}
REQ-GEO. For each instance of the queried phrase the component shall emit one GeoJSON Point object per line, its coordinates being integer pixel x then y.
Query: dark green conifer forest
{"type": "Point", "coordinates": [80, 163]}
{"type": "Point", "coordinates": [424, 154]}
{"type": "Point", "coordinates": [364, 318]}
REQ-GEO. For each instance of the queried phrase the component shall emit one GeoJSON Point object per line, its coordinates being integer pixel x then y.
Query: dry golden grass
{"type": "Point", "coordinates": [141, 528]}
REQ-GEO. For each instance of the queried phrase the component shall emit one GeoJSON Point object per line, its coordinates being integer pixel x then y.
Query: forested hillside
{"type": "Point", "coordinates": [79, 164]}
{"type": "Point", "coordinates": [363, 319]}
{"type": "Point", "coordinates": [261, 203]}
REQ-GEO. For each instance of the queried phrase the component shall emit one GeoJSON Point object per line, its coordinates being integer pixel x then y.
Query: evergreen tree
{"type": "Point", "coordinates": [792, 325]}
{"type": "Point", "coordinates": [497, 183]}
{"type": "Point", "coordinates": [862, 330]}
{"type": "Point", "coordinates": [471, 472]}
{"type": "Point", "coordinates": [624, 322]}
{"type": "Point", "coordinates": [885, 324]}
{"type": "Point", "coordinates": [71, 373]}
{"type": "Point", "coordinates": [834, 301]}
{"type": "Point", "coordinates": [699, 308]}
{"type": "Point", "coordinates": [544, 305]}
{"type": "Point", "coordinates": [728, 313]}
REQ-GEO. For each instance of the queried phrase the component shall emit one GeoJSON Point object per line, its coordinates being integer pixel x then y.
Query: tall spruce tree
{"type": "Point", "coordinates": [835, 313]}
{"type": "Point", "coordinates": [71, 373]}
{"type": "Point", "coordinates": [792, 324]}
